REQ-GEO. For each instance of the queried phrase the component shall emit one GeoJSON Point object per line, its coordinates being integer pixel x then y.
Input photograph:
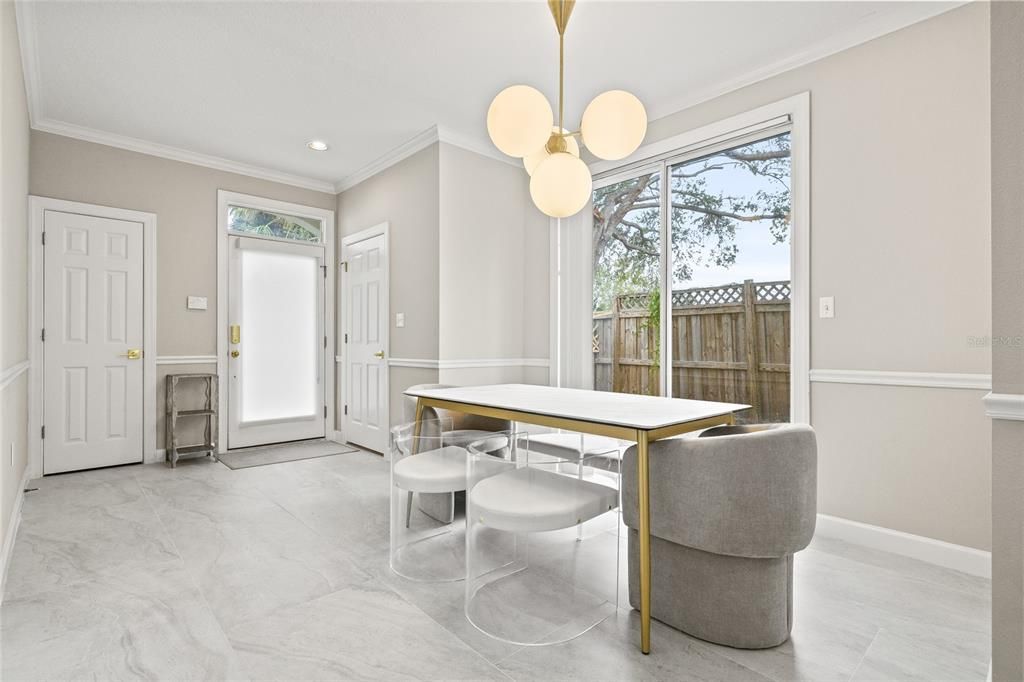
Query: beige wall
{"type": "Point", "coordinates": [407, 197]}
{"type": "Point", "coordinates": [14, 171]}
{"type": "Point", "coordinates": [1007, 27]}
{"type": "Point", "coordinates": [184, 198]}
{"type": "Point", "coordinates": [900, 236]}
{"type": "Point", "coordinates": [494, 248]}
{"type": "Point", "coordinates": [469, 264]}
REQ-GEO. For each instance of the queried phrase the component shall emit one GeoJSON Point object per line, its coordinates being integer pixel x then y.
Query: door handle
{"type": "Point", "coordinates": [132, 354]}
{"type": "Point", "coordinates": [234, 353]}
{"type": "Point", "coordinates": [379, 354]}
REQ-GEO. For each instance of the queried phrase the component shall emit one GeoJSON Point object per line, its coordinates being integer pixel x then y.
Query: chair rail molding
{"type": "Point", "coordinates": [1009, 406]}
{"type": "Point", "coordinates": [186, 360]}
{"type": "Point", "coordinates": [956, 380]}
{"type": "Point", "coordinates": [8, 375]}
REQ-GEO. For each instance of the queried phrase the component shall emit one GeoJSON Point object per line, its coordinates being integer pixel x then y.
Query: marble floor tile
{"type": "Point", "coordinates": [74, 544]}
{"type": "Point", "coordinates": [611, 652]}
{"type": "Point", "coordinates": [139, 571]}
{"type": "Point", "coordinates": [138, 624]}
{"type": "Point", "coordinates": [365, 632]}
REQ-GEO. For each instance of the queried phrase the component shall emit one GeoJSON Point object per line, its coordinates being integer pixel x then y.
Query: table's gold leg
{"type": "Point", "coordinates": [643, 495]}
{"type": "Point", "coordinates": [418, 424]}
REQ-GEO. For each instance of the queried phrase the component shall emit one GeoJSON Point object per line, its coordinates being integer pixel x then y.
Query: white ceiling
{"type": "Point", "coordinates": [253, 81]}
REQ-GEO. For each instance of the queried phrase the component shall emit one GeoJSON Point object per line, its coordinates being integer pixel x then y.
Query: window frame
{"type": "Point", "coordinates": [790, 115]}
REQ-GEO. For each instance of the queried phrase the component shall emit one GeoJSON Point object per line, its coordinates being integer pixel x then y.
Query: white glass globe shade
{"type": "Point", "coordinates": [561, 185]}
{"type": "Point", "coordinates": [614, 125]}
{"type": "Point", "coordinates": [519, 120]}
{"type": "Point", "coordinates": [530, 161]}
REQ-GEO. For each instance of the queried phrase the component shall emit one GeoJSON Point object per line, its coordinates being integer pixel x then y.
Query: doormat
{"type": "Point", "coordinates": [283, 452]}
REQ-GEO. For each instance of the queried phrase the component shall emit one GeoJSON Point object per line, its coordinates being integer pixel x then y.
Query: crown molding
{"type": "Point", "coordinates": [134, 144]}
{"type": "Point", "coordinates": [874, 26]}
{"type": "Point", "coordinates": [470, 144]}
{"type": "Point", "coordinates": [25, 17]}
{"type": "Point", "coordinates": [419, 142]}
{"type": "Point", "coordinates": [955, 380]}
{"type": "Point", "coordinates": [403, 151]}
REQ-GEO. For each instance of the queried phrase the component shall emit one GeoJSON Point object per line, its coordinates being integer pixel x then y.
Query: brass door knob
{"type": "Point", "coordinates": [379, 354]}
{"type": "Point", "coordinates": [132, 354]}
{"type": "Point", "coordinates": [234, 353]}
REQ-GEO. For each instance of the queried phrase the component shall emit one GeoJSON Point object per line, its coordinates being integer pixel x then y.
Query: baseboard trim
{"type": "Point", "coordinates": [956, 557]}
{"type": "Point", "coordinates": [12, 531]}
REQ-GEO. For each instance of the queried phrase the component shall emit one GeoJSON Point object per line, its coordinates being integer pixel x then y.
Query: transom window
{"type": "Point", "coordinates": [274, 224]}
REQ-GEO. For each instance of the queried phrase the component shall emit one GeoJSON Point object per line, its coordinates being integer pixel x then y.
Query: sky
{"type": "Point", "coordinates": [759, 258]}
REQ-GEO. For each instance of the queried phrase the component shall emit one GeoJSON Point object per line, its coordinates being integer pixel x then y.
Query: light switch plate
{"type": "Point", "coordinates": [399, 319]}
{"type": "Point", "coordinates": [827, 306]}
{"type": "Point", "coordinates": [196, 303]}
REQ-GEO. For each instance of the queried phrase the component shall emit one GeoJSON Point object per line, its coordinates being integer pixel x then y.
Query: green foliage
{"type": "Point", "coordinates": [255, 221]}
{"type": "Point", "coordinates": [627, 239]}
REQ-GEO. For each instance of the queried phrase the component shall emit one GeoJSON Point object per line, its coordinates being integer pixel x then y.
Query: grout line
{"type": "Point", "coordinates": [864, 656]}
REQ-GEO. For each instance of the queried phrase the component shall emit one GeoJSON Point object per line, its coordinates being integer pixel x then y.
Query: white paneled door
{"type": "Point", "coordinates": [276, 342]}
{"type": "Point", "coordinates": [92, 350]}
{"type": "Point", "coordinates": [365, 315]}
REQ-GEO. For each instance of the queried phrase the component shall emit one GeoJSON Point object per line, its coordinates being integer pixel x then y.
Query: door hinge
{"type": "Point", "coordinates": [42, 334]}
{"type": "Point", "coordinates": [346, 409]}
{"type": "Point", "coordinates": [346, 338]}
{"type": "Point", "coordinates": [325, 412]}
{"type": "Point", "coordinates": [324, 268]}
{"type": "Point", "coordinates": [344, 264]}
{"type": "Point", "coordinates": [325, 341]}
{"type": "Point", "coordinates": [44, 239]}
{"type": "Point", "coordinates": [42, 432]}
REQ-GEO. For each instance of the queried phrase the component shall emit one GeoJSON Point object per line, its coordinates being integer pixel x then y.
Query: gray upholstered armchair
{"type": "Point", "coordinates": [729, 508]}
{"type": "Point", "coordinates": [465, 429]}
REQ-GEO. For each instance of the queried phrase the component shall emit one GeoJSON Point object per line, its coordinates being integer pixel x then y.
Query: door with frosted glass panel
{"type": "Point", "coordinates": [276, 342]}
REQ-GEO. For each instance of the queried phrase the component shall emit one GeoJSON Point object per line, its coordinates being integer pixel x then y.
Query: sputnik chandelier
{"type": "Point", "coordinates": [521, 124]}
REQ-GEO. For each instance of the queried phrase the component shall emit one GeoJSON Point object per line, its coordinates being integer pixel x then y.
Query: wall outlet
{"type": "Point", "coordinates": [399, 319]}
{"type": "Point", "coordinates": [827, 306]}
{"type": "Point", "coordinates": [196, 303]}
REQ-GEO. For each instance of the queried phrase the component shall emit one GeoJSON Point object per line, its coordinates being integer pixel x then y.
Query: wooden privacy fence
{"type": "Point", "coordinates": [729, 343]}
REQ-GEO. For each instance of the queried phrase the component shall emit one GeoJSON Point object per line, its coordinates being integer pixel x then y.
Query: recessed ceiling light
{"type": "Point", "coordinates": [317, 145]}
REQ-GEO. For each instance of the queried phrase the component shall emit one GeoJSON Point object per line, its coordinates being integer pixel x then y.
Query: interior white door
{"type": "Point", "coordinates": [275, 342]}
{"type": "Point", "coordinates": [92, 350]}
{"type": "Point", "coordinates": [365, 322]}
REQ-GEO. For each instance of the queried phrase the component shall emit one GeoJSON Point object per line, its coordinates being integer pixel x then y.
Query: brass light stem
{"type": "Point", "coordinates": [561, 10]}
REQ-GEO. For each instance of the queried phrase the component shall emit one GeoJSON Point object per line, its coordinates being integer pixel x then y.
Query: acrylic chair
{"type": "Point", "coordinates": [423, 462]}
{"type": "Point", "coordinates": [460, 429]}
{"type": "Point", "coordinates": [528, 582]}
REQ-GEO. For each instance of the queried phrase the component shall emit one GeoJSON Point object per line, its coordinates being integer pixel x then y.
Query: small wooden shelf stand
{"type": "Point", "coordinates": [207, 411]}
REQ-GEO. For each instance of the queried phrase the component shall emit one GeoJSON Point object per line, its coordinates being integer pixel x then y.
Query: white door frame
{"type": "Point", "coordinates": [326, 216]}
{"type": "Point", "coordinates": [375, 231]}
{"type": "Point", "coordinates": [37, 207]}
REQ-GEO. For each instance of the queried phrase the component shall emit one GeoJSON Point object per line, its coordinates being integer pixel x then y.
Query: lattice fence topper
{"type": "Point", "coordinates": [728, 294]}
{"type": "Point", "coordinates": [772, 292]}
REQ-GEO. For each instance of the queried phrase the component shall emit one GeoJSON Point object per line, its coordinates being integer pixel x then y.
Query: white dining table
{"type": "Point", "coordinates": [638, 418]}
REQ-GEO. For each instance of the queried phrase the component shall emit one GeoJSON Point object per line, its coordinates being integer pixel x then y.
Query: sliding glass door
{"type": "Point", "coordinates": [708, 315]}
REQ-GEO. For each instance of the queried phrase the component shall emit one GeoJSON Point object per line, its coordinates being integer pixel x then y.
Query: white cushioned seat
{"type": "Point", "coordinates": [562, 444]}
{"type": "Point", "coordinates": [438, 471]}
{"type": "Point", "coordinates": [531, 500]}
